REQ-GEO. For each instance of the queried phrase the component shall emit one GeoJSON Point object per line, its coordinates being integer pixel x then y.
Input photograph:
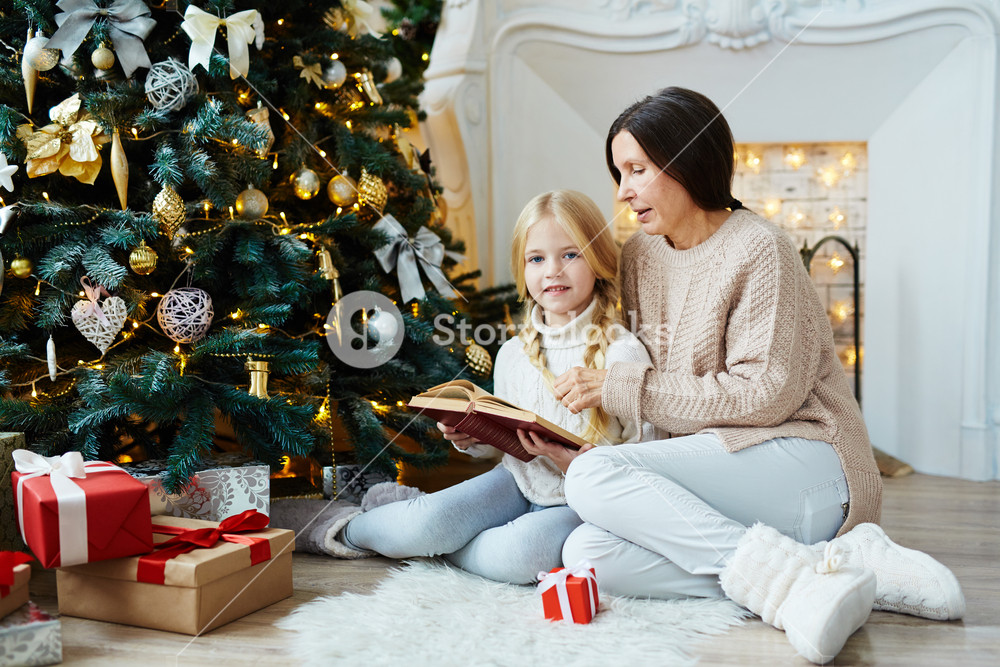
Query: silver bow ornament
{"type": "Point", "coordinates": [407, 255]}
{"type": "Point", "coordinates": [242, 29]}
{"type": "Point", "coordinates": [128, 22]}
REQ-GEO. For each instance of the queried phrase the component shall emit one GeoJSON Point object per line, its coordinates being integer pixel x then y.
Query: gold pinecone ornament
{"type": "Point", "coordinates": [168, 209]}
{"type": "Point", "coordinates": [143, 259]}
{"type": "Point", "coordinates": [479, 360]}
{"type": "Point", "coordinates": [372, 191]}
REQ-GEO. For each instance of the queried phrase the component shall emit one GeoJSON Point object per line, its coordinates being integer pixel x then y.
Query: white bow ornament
{"type": "Point", "coordinates": [242, 29]}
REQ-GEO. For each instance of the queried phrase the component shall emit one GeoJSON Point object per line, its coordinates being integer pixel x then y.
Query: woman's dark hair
{"type": "Point", "coordinates": [684, 134]}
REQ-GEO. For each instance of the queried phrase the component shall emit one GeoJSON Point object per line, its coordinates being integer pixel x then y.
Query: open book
{"type": "Point", "coordinates": [489, 419]}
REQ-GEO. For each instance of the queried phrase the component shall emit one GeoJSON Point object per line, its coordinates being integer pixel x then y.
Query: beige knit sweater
{"type": "Point", "coordinates": [741, 347]}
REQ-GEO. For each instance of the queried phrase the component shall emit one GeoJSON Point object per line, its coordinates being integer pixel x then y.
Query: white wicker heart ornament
{"type": "Point", "coordinates": [99, 321]}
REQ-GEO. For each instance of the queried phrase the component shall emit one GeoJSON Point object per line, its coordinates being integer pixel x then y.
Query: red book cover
{"type": "Point", "coordinates": [118, 517]}
{"type": "Point", "coordinates": [489, 419]}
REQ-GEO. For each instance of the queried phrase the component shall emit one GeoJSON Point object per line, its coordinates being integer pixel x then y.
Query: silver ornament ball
{"type": "Point", "coordinates": [334, 75]}
{"type": "Point", "coordinates": [39, 57]}
{"type": "Point", "coordinates": [306, 183]}
{"type": "Point", "coordinates": [103, 58]}
{"type": "Point", "coordinates": [394, 69]}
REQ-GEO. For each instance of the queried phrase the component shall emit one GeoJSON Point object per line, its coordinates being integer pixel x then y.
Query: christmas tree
{"type": "Point", "coordinates": [195, 195]}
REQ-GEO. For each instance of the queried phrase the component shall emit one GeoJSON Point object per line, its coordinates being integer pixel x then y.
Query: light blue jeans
{"type": "Point", "coordinates": [483, 525]}
{"type": "Point", "coordinates": [663, 518]}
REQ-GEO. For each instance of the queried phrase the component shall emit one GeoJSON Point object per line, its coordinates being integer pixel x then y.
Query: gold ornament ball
{"type": "Point", "coordinates": [479, 359]}
{"type": "Point", "coordinates": [103, 58]}
{"type": "Point", "coordinates": [251, 204]}
{"type": "Point", "coordinates": [143, 259]}
{"type": "Point", "coordinates": [342, 190]}
{"type": "Point", "coordinates": [168, 209]}
{"type": "Point", "coordinates": [21, 267]}
{"type": "Point", "coordinates": [372, 191]}
{"type": "Point", "coordinates": [306, 183]}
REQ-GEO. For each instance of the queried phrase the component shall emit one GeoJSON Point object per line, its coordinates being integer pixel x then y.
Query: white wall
{"type": "Point", "coordinates": [917, 79]}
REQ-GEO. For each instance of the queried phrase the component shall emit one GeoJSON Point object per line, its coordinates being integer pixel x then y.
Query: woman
{"type": "Point", "coordinates": [764, 431]}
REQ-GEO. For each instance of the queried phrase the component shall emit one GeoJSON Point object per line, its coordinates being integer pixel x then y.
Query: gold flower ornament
{"type": "Point", "coordinates": [70, 144]}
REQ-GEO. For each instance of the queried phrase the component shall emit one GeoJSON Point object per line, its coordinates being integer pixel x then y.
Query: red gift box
{"type": "Point", "coordinates": [14, 575]}
{"type": "Point", "coordinates": [569, 593]}
{"type": "Point", "coordinates": [72, 512]}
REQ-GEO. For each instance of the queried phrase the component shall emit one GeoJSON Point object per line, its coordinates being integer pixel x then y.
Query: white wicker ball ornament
{"type": "Point", "coordinates": [185, 314]}
{"type": "Point", "coordinates": [170, 84]}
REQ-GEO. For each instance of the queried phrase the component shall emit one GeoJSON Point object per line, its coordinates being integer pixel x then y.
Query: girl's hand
{"type": "Point", "coordinates": [539, 446]}
{"type": "Point", "coordinates": [580, 388]}
{"type": "Point", "coordinates": [457, 438]}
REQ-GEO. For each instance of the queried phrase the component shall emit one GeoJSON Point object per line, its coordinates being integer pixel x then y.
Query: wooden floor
{"type": "Point", "coordinates": [956, 521]}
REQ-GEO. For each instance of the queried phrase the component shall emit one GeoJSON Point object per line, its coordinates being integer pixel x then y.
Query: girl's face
{"type": "Point", "coordinates": [557, 276]}
{"type": "Point", "coordinates": [661, 203]}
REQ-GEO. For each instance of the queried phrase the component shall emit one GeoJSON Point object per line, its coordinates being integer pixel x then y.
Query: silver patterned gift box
{"type": "Point", "coordinates": [225, 487]}
{"type": "Point", "coordinates": [351, 482]}
{"type": "Point", "coordinates": [30, 637]}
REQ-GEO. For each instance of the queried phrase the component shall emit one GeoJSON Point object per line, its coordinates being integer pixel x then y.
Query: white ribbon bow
{"type": "Point", "coordinates": [833, 559]}
{"type": "Point", "coordinates": [558, 579]}
{"type": "Point", "coordinates": [242, 28]}
{"type": "Point", "coordinates": [71, 499]}
{"type": "Point", "coordinates": [408, 256]}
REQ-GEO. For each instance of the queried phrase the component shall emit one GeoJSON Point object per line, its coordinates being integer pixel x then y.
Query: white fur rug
{"type": "Point", "coordinates": [428, 613]}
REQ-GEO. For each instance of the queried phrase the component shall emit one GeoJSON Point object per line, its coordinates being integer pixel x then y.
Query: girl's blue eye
{"type": "Point", "coordinates": [571, 255]}
{"type": "Point", "coordinates": [532, 259]}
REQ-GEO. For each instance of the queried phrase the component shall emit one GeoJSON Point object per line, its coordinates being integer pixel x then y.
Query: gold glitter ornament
{"type": "Point", "coordinates": [21, 267]}
{"type": "Point", "coordinates": [168, 210]}
{"type": "Point", "coordinates": [479, 360]}
{"type": "Point", "coordinates": [372, 191]}
{"type": "Point", "coordinates": [342, 190]}
{"type": "Point", "coordinates": [306, 183]}
{"type": "Point", "coordinates": [103, 58]}
{"type": "Point", "coordinates": [367, 85]}
{"type": "Point", "coordinates": [143, 259]}
{"type": "Point", "coordinates": [252, 204]}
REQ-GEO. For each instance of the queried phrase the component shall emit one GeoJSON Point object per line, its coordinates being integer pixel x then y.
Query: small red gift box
{"type": "Point", "coordinates": [72, 512]}
{"type": "Point", "coordinates": [14, 575]}
{"type": "Point", "coordinates": [569, 593]}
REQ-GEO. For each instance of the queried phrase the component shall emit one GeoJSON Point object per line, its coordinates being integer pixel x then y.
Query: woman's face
{"type": "Point", "coordinates": [661, 203]}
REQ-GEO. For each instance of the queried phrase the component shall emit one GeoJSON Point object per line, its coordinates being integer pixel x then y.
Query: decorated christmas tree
{"type": "Point", "coordinates": [195, 196]}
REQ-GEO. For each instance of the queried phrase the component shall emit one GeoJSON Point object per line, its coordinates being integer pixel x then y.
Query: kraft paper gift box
{"type": "Point", "coordinates": [202, 575]}
{"type": "Point", "coordinates": [14, 575]}
{"type": "Point", "coordinates": [10, 536]}
{"type": "Point", "coordinates": [73, 512]}
{"type": "Point", "coordinates": [569, 593]}
{"type": "Point", "coordinates": [213, 494]}
{"type": "Point", "coordinates": [29, 638]}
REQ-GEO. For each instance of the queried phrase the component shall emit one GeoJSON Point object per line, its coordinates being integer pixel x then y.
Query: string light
{"type": "Point", "coordinates": [34, 392]}
{"type": "Point", "coordinates": [772, 207]}
{"type": "Point", "coordinates": [46, 196]}
{"type": "Point", "coordinates": [795, 157]}
{"type": "Point", "coordinates": [828, 176]}
{"type": "Point", "coordinates": [348, 125]}
{"type": "Point", "coordinates": [836, 263]}
{"type": "Point", "coordinates": [848, 162]}
{"type": "Point", "coordinates": [177, 348]}
{"type": "Point", "coordinates": [836, 217]}
{"type": "Point", "coordinates": [231, 215]}
{"type": "Point", "coordinates": [752, 161]}
{"type": "Point", "coordinates": [274, 165]}
{"type": "Point", "coordinates": [135, 133]}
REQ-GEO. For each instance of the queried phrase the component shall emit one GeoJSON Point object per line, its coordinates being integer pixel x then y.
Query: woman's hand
{"type": "Point", "coordinates": [580, 388]}
{"type": "Point", "coordinates": [457, 438]}
{"type": "Point", "coordinates": [539, 446]}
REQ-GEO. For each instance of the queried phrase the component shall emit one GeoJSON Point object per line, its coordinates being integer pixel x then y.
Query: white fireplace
{"type": "Point", "coordinates": [520, 95]}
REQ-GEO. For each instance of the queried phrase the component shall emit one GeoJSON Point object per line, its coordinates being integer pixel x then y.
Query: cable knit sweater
{"type": "Point", "coordinates": [741, 347]}
{"type": "Point", "coordinates": [517, 381]}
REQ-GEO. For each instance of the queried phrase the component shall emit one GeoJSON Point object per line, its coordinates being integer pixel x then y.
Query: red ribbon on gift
{"type": "Point", "coordinates": [8, 561]}
{"type": "Point", "coordinates": [152, 567]}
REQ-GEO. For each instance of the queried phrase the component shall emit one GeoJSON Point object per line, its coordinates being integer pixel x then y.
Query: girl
{"type": "Point", "coordinates": [510, 523]}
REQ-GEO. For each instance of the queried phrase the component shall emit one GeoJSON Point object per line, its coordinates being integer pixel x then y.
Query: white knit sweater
{"type": "Point", "coordinates": [517, 381]}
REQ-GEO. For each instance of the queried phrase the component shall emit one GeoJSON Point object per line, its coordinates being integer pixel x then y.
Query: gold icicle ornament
{"type": "Point", "coordinates": [330, 272]}
{"type": "Point", "coordinates": [119, 169]}
{"type": "Point", "coordinates": [367, 85]}
{"type": "Point", "coordinates": [259, 371]}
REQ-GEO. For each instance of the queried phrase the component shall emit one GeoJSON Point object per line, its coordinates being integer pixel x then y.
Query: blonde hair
{"type": "Point", "coordinates": [582, 220]}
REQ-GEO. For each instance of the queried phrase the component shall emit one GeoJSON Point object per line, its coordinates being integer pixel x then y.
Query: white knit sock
{"type": "Point", "coordinates": [908, 581]}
